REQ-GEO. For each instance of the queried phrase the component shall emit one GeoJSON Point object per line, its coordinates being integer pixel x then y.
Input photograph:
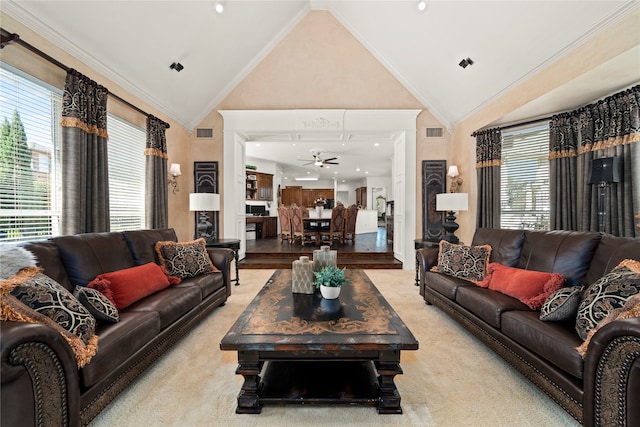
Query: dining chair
{"type": "Point", "coordinates": [297, 227]}
{"type": "Point", "coordinates": [336, 225]}
{"type": "Point", "coordinates": [350, 224]}
{"type": "Point", "coordinates": [285, 224]}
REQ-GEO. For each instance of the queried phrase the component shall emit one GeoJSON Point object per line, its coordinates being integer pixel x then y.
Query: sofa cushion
{"type": "Point", "coordinates": [207, 283]}
{"type": "Point", "coordinates": [85, 256]}
{"type": "Point", "coordinates": [185, 259]}
{"type": "Point", "coordinates": [32, 297]}
{"type": "Point", "coordinates": [555, 342]}
{"type": "Point", "coordinates": [562, 304]}
{"type": "Point", "coordinates": [48, 259]}
{"type": "Point", "coordinates": [463, 262]}
{"type": "Point", "coordinates": [98, 305]}
{"type": "Point", "coordinates": [445, 285]}
{"type": "Point", "coordinates": [487, 304]}
{"type": "Point", "coordinates": [170, 303]}
{"type": "Point", "coordinates": [131, 284]}
{"type": "Point", "coordinates": [610, 252]}
{"type": "Point", "coordinates": [566, 252]}
{"type": "Point", "coordinates": [530, 287]}
{"type": "Point", "coordinates": [142, 243]}
{"type": "Point", "coordinates": [506, 245]}
{"type": "Point", "coordinates": [608, 293]}
{"type": "Point", "coordinates": [118, 342]}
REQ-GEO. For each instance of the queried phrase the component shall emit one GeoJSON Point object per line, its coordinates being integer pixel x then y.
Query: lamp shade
{"type": "Point", "coordinates": [453, 171]}
{"type": "Point", "coordinates": [204, 202]}
{"type": "Point", "coordinates": [604, 169]}
{"type": "Point", "coordinates": [175, 169]}
{"type": "Point", "coordinates": [452, 202]}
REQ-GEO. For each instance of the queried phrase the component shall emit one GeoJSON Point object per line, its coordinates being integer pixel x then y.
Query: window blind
{"type": "Point", "coordinates": [126, 174]}
{"type": "Point", "coordinates": [29, 157]}
{"type": "Point", "coordinates": [524, 182]}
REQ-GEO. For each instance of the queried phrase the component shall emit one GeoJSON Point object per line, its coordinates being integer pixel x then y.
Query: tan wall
{"type": "Point", "coordinates": [176, 136]}
{"type": "Point", "coordinates": [321, 65]}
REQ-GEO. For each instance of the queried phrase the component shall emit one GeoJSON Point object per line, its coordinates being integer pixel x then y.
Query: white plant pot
{"type": "Point", "coordinates": [329, 292]}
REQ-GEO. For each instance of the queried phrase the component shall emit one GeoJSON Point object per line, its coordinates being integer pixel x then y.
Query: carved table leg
{"type": "Point", "coordinates": [249, 367]}
{"type": "Point", "coordinates": [388, 367]}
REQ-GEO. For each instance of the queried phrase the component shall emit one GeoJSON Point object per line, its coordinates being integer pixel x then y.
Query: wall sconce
{"type": "Point", "coordinates": [450, 203]}
{"type": "Point", "coordinates": [456, 181]}
{"type": "Point", "coordinates": [174, 173]}
{"type": "Point", "coordinates": [203, 203]}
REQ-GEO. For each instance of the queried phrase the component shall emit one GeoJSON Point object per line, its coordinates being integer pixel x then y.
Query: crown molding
{"type": "Point", "coordinates": [13, 9]}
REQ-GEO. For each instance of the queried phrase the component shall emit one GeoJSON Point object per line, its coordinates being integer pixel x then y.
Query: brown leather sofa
{"type": "Point", "coordinates": [41, 384]}
{"type": "Point", "coordinates": [602, 389]}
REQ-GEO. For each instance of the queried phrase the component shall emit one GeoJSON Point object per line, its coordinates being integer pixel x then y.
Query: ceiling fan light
{"type": "Point", "coordinates": [219, 6]}
{"type": "Point", "coordinates": [422, 5]}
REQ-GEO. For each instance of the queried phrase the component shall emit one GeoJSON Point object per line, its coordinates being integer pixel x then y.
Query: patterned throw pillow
{"type": "Point", "coordinates": [464, 262]}
{"type": "Point", "coordinates": [186, 259]}
{"type": "Point", "coordinates": [562, 304]}
{"type": "Point", "coordinates": [609, 292]}
{"type": "Point", "coordinates": [32, 297]}
{"type": "Point", "coordinates": [97, 304]}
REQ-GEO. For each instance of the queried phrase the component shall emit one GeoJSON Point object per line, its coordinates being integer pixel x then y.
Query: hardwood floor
{"type": "Point", "coordinates": [370, 251]}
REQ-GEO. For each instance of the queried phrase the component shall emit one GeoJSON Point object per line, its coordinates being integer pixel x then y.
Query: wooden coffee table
{"type": "Point", "coordinates": [297, 348]}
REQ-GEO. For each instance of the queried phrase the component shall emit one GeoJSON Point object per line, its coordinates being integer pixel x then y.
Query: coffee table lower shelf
{"type": "Point", "coordinates": [321, 383]}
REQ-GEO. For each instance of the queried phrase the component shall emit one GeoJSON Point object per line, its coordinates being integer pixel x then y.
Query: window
{"type": "Point", "coordinates": [524, 181]}
{"type": "Point", "coordinates": [126, 174]}
{"type": "Point", "coordinates": [29, 157]}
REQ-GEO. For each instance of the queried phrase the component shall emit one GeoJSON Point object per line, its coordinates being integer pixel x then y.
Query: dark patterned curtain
{"type": "Point", "coordinates": [488, 163]}
{"type": "Point", "coordinates": [85, 178]}
{"type": "Point", "coordinates": [608, 128]}
{"type": "Point", "coordinates": [563, 170]}
{"type": "Point", "coordinates": [156, 203]}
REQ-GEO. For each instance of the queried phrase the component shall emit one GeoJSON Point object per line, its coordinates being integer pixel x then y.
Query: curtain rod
{"type": "Point", "coordinates": [8, 38]}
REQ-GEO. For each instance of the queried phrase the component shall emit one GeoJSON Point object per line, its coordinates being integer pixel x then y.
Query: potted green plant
{"type": "Point", "coordinates": [329, 279]}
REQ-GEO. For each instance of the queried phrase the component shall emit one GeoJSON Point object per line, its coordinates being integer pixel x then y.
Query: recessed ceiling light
{"type": "Point", "coordinates": [308, 172]}
{"type": "Point", "coordinates": [336, 172]}
{"type": "Point", "coordinates": [219, 6]}
{"type": "Point", "coordinates": [357, 169]}
{"type": "Point", "coordinates": [422, 5]}
{"type": "Point", "coordinates": [344, 180]}
{"type": "Point", "coordinates": [465, 62]}
{"type": "Point", "coordinates": [366, 171]}
{"type": "Point", "coordinates": [376, 144]}
{"type": "Point", "coordinates": [258, 144]}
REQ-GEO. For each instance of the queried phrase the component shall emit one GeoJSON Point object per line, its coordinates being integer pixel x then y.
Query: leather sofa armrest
{"type": "Point", "coordinates": [222, 258]}
{"type": "Point", "coordinates": [39, 376]}
{"type": "Point", "coordinates": [612, 374]}
{"type": "Point", "coordinates": [425, 259]}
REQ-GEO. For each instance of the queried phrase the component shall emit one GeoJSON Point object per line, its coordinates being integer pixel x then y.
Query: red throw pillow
{"type": "Point", "coordinates": [131, 284]}
{"type": "Point", "coordinates": [530, 287]}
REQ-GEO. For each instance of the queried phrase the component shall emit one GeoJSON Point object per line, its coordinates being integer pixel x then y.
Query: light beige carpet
{"type": "Point", "coordinates": [452, 380]}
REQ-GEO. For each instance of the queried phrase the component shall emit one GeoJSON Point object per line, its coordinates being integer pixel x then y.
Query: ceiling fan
{"type": "Point", "coordinates": [317, 161]}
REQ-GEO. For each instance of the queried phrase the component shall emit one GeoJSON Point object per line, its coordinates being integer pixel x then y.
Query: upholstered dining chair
{"type": "Point", "coordinates": [284, 214]}
{"type": "Point", "coordinates": [350, 223]}
{"type": "Point", "coordinates": [336, 225]}
{"type": "Point", "coordinates": [297, 227]}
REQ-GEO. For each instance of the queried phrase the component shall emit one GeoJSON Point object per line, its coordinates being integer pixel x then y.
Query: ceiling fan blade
{"type": "Point", "coordinates": [305, 160]}
{"type": "Point", "coordinates": [330, 160]}
{"type": "Point", "coordinates": [330, 163]}
{"type": "Point", "coordinates": [308, 163]}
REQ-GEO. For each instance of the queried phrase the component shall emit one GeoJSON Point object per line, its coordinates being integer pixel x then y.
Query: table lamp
{"type": "Point", "coordinates": [203, 203]}
{"type": "Point", "coordinates": [451, 203]}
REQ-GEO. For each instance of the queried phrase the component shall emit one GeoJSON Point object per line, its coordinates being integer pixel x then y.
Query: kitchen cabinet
{"type": "Point", "coordinates": [259, 186]}
{"type": "Point", "coordinates": [304, 196]}
{"type": "Point", "coordinates": [361, 196]}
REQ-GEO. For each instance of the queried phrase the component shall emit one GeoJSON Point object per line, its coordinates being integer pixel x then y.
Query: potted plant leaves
{"type": "Point", "coordinates": [330, 279]}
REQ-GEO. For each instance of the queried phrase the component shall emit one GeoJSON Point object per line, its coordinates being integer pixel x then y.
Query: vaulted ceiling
{"type": "Point", "coordinates": [134, 42]}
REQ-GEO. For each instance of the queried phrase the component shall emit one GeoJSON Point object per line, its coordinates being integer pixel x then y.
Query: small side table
{"type": "Point", "coordinates": [234, 245]}
{"type": "Point", "coordinates": [421, 243]}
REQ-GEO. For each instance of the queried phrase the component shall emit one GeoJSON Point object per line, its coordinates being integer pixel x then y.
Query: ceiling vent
{"type": "Point", "coordinates": [435, 132]}
{"type": "Point", "coordinates": [204, 133]}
